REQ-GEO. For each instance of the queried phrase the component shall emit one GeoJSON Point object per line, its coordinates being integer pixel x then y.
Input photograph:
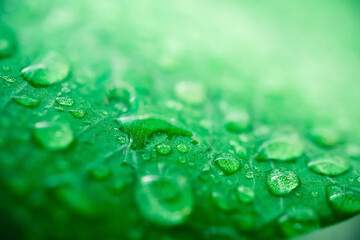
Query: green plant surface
{"type": "Point", "coordinates": [174, 119]}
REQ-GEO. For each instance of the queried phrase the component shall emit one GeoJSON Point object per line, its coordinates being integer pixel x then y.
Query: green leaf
{"type": "Point", "coordinates": [178, 119]}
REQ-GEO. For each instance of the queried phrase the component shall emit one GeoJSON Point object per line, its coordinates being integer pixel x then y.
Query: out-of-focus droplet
{"type": "Point", "coordinates": [245, 194]}
{"type": "Point", "coordinates": [325, 137]}
{"type": "Point", "coordinates": [78, 113]}
{"type": "Point", "coordinates": [49, 69]}
{"type": "Point", "coordinates": [55, 134]}
{"type": "Point", "coordinates": [344, 200]}
{"type": "Point", "coordinates": [329, 165]}
{"type": "Point", "coordinates": [163, 200]}
{"type": "Point", "coordinates": [190, 92]}
{"type": "Point", "coordinates": [27, 101]}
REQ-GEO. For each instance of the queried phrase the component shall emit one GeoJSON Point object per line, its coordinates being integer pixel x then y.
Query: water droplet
{"type": "Point", "coordinates": [205, 168]}
{"type": "Point", "coordinates": [27, 101]}
{"type": "Point", "coordinates": [8, 79]}
{"type": "Point", "coordinates": [325, 137]}
{"type": "Point", "coordinates": [298, 193]}
{"type": "Point", "coordinates": [249, 174]}
{"type": "Point", "coordinates": [343, 200]}
{"type": "Point", "coordinates": [163, 200]}
{"type": "Point", "coordinates": [49, 69]}
{"type": "Point", "coordinates": [297, 221]}
{"type": "Point", "coordinates": [55, 134]}
{"type": "Point", "coordinates": [78, 113]}
{"type": "Point", "coordinates": [122, 140]}
{"type": "Point", "coordinates": [240, 151]}
{"type": "Point", "coordinates": [7, 44]}
{"type": "Point", "coordinates": [220, 201]}
{"type": "Point", "coordinates": [100, 173]}
{"type": "Point", "coordinates": [182, 160]}
{"type": "Point", "coordinates": [191, 164]}
{"type": "Point", "coordinates": [237, 121]}
{"type": "Point", "coordinates": [190, 92]}
{"type": "Point", "coordinates": [182, 148]}
{"type": "Point", "coordinates": [163, 149]}
{"type": "Point", "coordinates": [65, 101]}
{"type": "Point", "coordinates": [282, 181]}
{"type": "Point", "coordinates": [315, 194]}
{"type": "Point", "coordinates": [146, 157]}
{"type": "Point", "coordinates": [142, 127]}
{"type": "Point", "coordinates": [358, 179]}
{"type": "Point", "coordinates": [228, 163]}
{"type": "Point", "coordinates": [122, 92]}
{"type": "Point", "coordinates": [329, 165]}
{"type": "Point", "coordinates": [281, 149]}
{"type": "Point", "coordinates": [59, 109]}
{"type": "Point", "coordinates": [245, 194]}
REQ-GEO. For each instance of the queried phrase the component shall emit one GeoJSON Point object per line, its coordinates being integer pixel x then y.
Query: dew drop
{"type": "Point", "coordinates": [122, 92]}
{"type": "Point", "coordinates": [27, 101]}
{"type": "Point", "coordinates": [249, 174]}
{"type": "Point", "coordinates": [325, 137]}
{"type": "Point", "coordinates": [78, 113]}
{"type": "Point", "coordinates": [122, 140]}
{"type": "Point", "coordinates": [146, 156]}
{"type": "Point", "coordinates": [298, 220]}
{"type": "Point", "coordinates": [329, 165]}
{"type": "Point", "coordinates": [282, 181]}
{"type": "Point", "coordinates": [228, 163]}
{"type": "Point", "coordinates": [220, 201]}
{"type": "Point", "coordinates": [182, 148]}
{"type": "Point", "coordinates": [65, 101]}
{"type": "Point", "coordinates": [142, 127]}
{"type": "Point", "coordinates": [163, 200]}
{"type": "Point", "coordinates": [245, 194]}
{"type": "Point", "coordinates": [343, 200]}
{"type": "Point", "coordinates": [182, 160]}
{"type": "Point", "coordinates": [281, 149]}
{"type": "Point", "coordinates": [100, 173]}
{"type": "Point", "coordinates": [55, 134]}
{"type": "Point", "coordinates": [163, 149]}
{"type": "Point", "coordinates": [190, 92]}
{"type": "Point", "coordinates": [49, 69]}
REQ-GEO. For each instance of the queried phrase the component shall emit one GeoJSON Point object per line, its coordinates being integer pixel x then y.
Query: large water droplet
{"type": "Point", "coordinates": [282, 181]}
{"type": "Point", "coordinates": [78, 113]}
{"type": "Point", "coordinates": [298, 220]}
{"type": "Point", "coordinates": [344, 200]}
{"type": "Point", "coordinates": [245, 194]}
{"type": "Point", "coordinates": [49, 69]}
{"type": "Point", "coordinates": [228, 163]}
{"type": "Point", "coordinates": [190, 92]}
{"type": "Point", "coordinates": [55, 134]}
{"type": "Point", "coordinates": [163, 149]}
{"type": "Point", "coordinates": [325, 137]}
{"type": "Point", "coordinates": [163, 200]}
{"type": "Point", "coordinates": [281, 149]}
{"type": "Point", "coordinates": [65, 101]}
{"type": "Point", "coordinates": [329, 165]}
{"type": "Point", "coordinates": [142, 127]}
{"type": "Point", "coordinates": [27, 101]}
{"type": "Point", "coordinates": [237, 121]}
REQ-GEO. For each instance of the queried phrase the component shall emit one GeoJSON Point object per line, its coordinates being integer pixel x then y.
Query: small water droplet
{"type": "Point", "coordinates": [146, 156]}
{"type": "Point", "coordinates": [122, 140]}
{"type": "Point", "coordinates": [281, 149]}
{"type": "Point", "coordinates": [100, 173]}
{"type": "Point", "coordinates": [27, 101]}
{"type": "Point", "coordinates": [78, 113]}
{"type": "Point", "coordinates": [190, 92]}
{"type": "Point", "coordinates": [191, 164]}
{"type": "Point", "coordinates": [245, 194]}
{"type": "Point", "coordinates": [325, 137]}
{"type": "Point", "coordinates": [205, 168]}
{"type": "Point", "coordinates": [182, 160]}
{"type": "Point", "coordinates": [298, 220]}
{"type": "Point", "coordinates": [315, 194]}
{"type": "Point", "coordinates": [55, 134]}
{"type": "Point", "coordinates": [228, 163]}
{"type": "Point", "coordinates": [329, 165]}
{"type": "Point", "coordinates": [50, 69]}
{"type": "Point", "coordinates": [343, 200]}
{"type": "Point", "coordinates": [282, 181]}
{"type": "Point", "coordinates": [249, 174]}
{"type": "Point", "coordinates": [163, 149]}
{"type": "Point", "coordinates": [163, 200]}
{"type": "Point", "coordinates": [59, 109]}
{"type": "Point", "coordinates": [182, 148]}
{"type": "Point", "coordinates": [8, 79]}
{"type": "Point", "coordinates": [298, 193]}
{"type": "Point", "coordinates": [220, 201]}
{"type": "Point", "coordinates": [65, 101]}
